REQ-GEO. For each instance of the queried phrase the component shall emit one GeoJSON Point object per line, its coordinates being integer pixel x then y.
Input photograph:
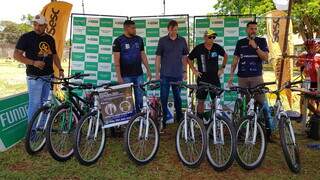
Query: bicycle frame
{"type": "Point", "coordinates": [217, 111]}
{"type": "Point", "coordinates": [251, 112]}
{"type": "Point", "coordinates": [280, 112]}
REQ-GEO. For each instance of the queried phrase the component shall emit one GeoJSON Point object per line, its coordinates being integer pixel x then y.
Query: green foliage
{"type": "Point", "coordinates": [305, 13]}
{"type": "Point", "coordinates": [11, 31]}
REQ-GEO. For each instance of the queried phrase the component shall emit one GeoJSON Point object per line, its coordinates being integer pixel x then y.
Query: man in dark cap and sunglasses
{"type": "Point", "coordinates": [207, 55]}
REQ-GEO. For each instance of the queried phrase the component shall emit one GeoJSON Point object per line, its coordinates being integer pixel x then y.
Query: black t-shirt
{"type": "Point", "coordinates": [207, 61]}
{"type": "Point", "coordinates": [250, 64]}
{"type": "Point", "coordinates": [130, 54]}
{"type": "Point", "coordinates": [38, 48]}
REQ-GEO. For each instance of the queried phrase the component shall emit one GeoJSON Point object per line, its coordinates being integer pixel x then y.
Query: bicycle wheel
{"type": "Point", "coordinates": [290, 149]}
{"type": "Point", "coordinates": [191, 150]}
{"type": "Point", "coordinates": [59, 133]}
{"type": "Point", "coordinates": [35, 137]}
{"type": "Point", "coordinates": [88, 148]}
{"type": "Point", "coordinates": [221, 149]}
{"type": "Point", "coordinates": [141, 149]}
{"type": "Point", "coordinates": [236, 115]}
{"type": "Point", "coordinates": [249, 154]}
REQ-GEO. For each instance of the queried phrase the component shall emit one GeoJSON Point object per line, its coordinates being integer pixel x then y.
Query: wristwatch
{"type": "Point", "coordinates": [257, 48]}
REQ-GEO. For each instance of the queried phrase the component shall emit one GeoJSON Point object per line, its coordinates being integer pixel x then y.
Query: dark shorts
{"type": "Point", "coordinates": [202, 94]}
{"type": "Point", "coordinates": [314, 85]}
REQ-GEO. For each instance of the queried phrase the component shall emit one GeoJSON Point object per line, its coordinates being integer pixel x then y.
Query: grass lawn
{"type": "Point", "coordinates": [17, 164]}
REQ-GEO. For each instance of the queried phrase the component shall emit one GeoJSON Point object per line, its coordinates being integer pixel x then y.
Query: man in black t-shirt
{"type": "Point", "coordinates": [128, 53]}
{"type": "Point", "coordinates": [37, 50]}
{"type": "Point", "coordinates": [207, 55]}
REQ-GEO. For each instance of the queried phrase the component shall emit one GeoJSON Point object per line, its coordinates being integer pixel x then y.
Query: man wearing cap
{"type": "Point", "coordinates": [37, 50]}
{"type": "Point", "coordinates": [171, 63]}
{"type": "Point", "coordinates": [249, 55]}
{"type": "Point", "coordinates": [208, 71]}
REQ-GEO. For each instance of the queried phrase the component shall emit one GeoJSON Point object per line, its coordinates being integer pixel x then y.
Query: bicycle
{"type": "Point", "coordinates": [287, 137]}
{"type": "Point", "coordinates": [63, 120]}
{"type": "Point", "coordinates": [250, 133]}
{"type": "Point", "coordinates": [90, 135]}
{"type": "Point", "coordinates": [191, 136]}
{"type": "Point", "coordinates": [35, 136]}
{"type": "Point", "coordinates": [142, 130]}
{"type": "Point", "coordinates": [220, 133]}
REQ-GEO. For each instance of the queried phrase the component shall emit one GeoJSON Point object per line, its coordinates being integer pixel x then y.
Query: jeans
{"type": "Point", "coordinates": [38, 89]}
{"type": "Point", "coordinates": [136, 80]}
{"type": "Point", "coordinates": [164, 95]}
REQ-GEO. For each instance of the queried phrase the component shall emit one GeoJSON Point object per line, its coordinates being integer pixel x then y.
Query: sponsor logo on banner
{"type": "Point", "coordinates": [106, 31]}
{"type": "Point", "coordinates": [106, 22]}
{"type": "Point", "coordinates": [104, 67]}
{"type": "Point", "coordinates": [92, 39]}
{"type": "Point", "coordinates": [220, 41]}
{"type": "Point", "coordinates": [104, 75]}
{"type": "Point", "coordinates": [91, 57]}
{"type": "Point", "coordinates": [92, 31]}
{"type": "Point", "coordinates": [77, 56]}
{"type": "Point", "coordinates": [229, 49]}
{"type": "Point", "coordinates": [93, 75]}
{"type": "Point", "coordinates": [152, 23]}
{"type": "Point", "coordinates": [231, 22]}
{"type": "Point", "coordinates": [105, 49]}
{"type": "Point", "coordinates": [202, 23]}
{"type": "Point", "coordinates": [78, 47]}
{"type": "Point", "coordinates": [81, 30]}
{"type": "Point", "coordinates": [141, 32]}
{"type": "Point", "coordinates": [230, 41]}
{"type": "Point", "coordinates": [118, 23]}
{"type": "Point", "coordinates": [233, 32]}
{"type": "Point", "coordinates": [79, 21]}
{"type": "Point", "coordinates": [200, 32]}
{"type": "Point", "coordinates": [92, 48]}
{"type": "Point", "coordinates": [243, 21]}
{"type": "Point", "coordinates": [77, 65]}
{"type": "Point", "coordinates": [152, 41]}
{"type": "Point", "coordinates": [163, 32]}
{"type": "Point", "coordinates": [91, 66]}
{"type": "Point", "coordinates": [182, 22]}
{"type": "Point", "coordinates": [104, 58]}
{"type": "Point", "coordinates": [216, 22]}
{"type": "Point", "coordinates": [93, 22]}
{"type": "Point", "coordinates": [79, 39]}
{"type": "Point", "coordinates": [152, 59]}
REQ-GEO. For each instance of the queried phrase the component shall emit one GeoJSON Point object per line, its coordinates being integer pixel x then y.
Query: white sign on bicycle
{"type": "Point", "coordinates": [117, 105]}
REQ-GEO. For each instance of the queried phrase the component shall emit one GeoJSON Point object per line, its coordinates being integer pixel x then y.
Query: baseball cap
{"type": "Point", "coordinates": [210, 32]}
{"type": "Point", "coordinates": [40, 19]}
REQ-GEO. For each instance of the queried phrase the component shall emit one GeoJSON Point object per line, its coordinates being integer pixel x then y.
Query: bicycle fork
{"type": "Point", "coordinates": [97, 123]}
{"type": "Point", "coordinates": [145, 121]}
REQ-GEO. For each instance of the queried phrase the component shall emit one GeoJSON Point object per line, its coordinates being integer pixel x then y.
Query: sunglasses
{"type": "Point", "coordinates": [212, 37]}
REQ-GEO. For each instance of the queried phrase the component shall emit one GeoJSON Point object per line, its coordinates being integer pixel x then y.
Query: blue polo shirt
{"type": "Point", "coordinates": [250, 64]}
{"type": "Point", "coordinates": [130, 54]}
{"type": "Point", "coordinates": [171, 52]}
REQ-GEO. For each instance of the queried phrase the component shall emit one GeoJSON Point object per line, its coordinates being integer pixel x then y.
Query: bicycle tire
{"type": "Point", "coordinates": [294, 167]}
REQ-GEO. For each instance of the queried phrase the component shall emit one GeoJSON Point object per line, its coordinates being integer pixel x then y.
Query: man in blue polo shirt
{"type": "Point", "coordinates": [171, 65]}
{"type": "Point", "coordinates": [249, 55]}
{"type": "Point", "coordinates": [128, 52]}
